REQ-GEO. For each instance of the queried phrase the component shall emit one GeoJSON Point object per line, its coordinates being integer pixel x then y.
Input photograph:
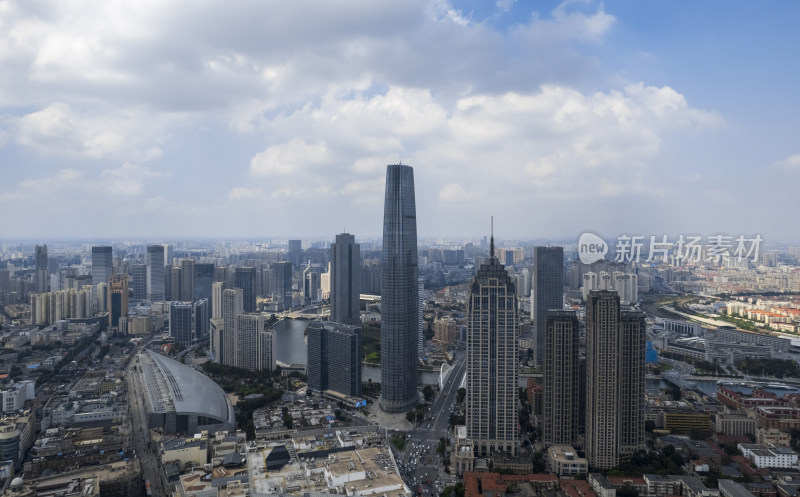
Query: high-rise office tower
{"type": "Point", "coordinates": [40, 262]}
{"type": "Point", "coordinates": [232, 306]}
{"type": "Point", "coordinates": [492, 393]}
{"type": "Point", "coordinates": [245, 278]}
{"type": "Point", "coordinates": [187, 280]}
{"type": "Point", "coordinates": [345, 280]}
{"type": "Point", "coordinates": [295, 252]}
{"type": "Point", "coordinates": [102, 264]}
{"type": "Point", "coordinates": [155, 273]}
{"type": "Point", "coordinates": [561, 412]}
{"type": "Point", "coordinates": [548, 291]}
{"type": "Point", "coordinates": [632, 381]}
{"type": "Point", "coordinates": [282, 278]}
{"type": "Point", "coordinates": [203, 278]}
{"type": "Point", "coordinates": [334, 358]}
{"type": "Point", "coordinates": [117, 299]}
{"type": "Point", "coordinates": [312, 285]}
{"type": "Point", "coordinates": [615, 377]}
{"type": "Point", "coordinates": [173, 277]}
{"type": "Point", "coordinates": [168, 259]}
{"type": "Point", "coordinates": [266, 358]}
{"type": "Point", "coordinates": [138, 281]}
{"type": "Point", "coordinates": [188, 321]}
{"type": "Point", "coordinates": [216, 299]}
{"type": "Point", "coordinates": [399, 293]}
{"type": "Point", "coordinates": [248, 327]}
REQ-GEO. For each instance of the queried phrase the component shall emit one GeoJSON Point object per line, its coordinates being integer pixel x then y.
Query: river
{"type": "Point", "coordinates": [291, 348]}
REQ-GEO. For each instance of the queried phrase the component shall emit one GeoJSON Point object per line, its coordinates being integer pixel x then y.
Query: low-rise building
{"type": "Point", "coordinates": [564, 461]}
{"type": "Point", "coordinates": [769, 456]}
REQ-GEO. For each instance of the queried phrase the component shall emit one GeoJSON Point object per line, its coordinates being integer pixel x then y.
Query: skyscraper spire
{"type": "Point", "coordinates": [491, 242]}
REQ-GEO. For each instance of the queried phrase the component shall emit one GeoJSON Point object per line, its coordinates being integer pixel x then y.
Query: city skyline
{"type": "Point", "coordinates": [650, 112]}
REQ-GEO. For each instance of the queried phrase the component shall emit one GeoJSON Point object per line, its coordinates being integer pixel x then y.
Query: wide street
{"type": "Point", "coordinates": [420, 459]}
{"type": "Point", "coordinates": [146, 450]}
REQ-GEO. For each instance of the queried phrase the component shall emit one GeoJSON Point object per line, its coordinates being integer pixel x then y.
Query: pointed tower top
{"type": "Point", "coordinates": [491, 242]}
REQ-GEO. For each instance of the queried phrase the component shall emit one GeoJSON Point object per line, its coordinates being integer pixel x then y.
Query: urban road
{"type": "Point", "coordinates": [146, 449]}
{"type": "Point", "coordinates": [420, 461]}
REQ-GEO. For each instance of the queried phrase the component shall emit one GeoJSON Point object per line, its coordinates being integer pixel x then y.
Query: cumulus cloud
{"type": "Point", "coordinates": [791, 163]}
{"type": "Point", "coordinates": [127, 180]}
{"type": "Point", "coordinates": [306, 110]}
{"type": "Point", "coordinates": [59, 129]}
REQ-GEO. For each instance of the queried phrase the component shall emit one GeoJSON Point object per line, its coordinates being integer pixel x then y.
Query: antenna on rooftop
{"type": "Point", "coordinates": [491, 243]}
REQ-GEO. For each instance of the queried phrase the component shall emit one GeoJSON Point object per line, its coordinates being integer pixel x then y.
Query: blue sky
{"type": "Point", "coordinates": [275, 119]}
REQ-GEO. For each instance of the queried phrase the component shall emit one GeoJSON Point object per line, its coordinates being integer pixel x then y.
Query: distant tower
{"type": "Point", "coordinates": [295, 252]}
{"type": "Point", "coordinates": [561, 412]}
{"type": "Point", "coordinates": [155, 272]}
{"type": "Point", "coordinates": [399, 293]}
{"type": "Point", "coordinates": [139, 281]}
{"type": "Point", "coordinates": [245, 278]}
{"type": "Point", "coordinates": [102, 264]}
{"type": "Point", "coordinates": [117, 299]}
{"type": "Point", "coordinates": [548, 291]}
{"type": "Point", "coordinates": [615, 378]}
{"type": "Point", "coordinates": [282, 278]}
{"type": "Point", "coordinates": [345, 280]}
{"type": "Point", "coordinates": [232, 306]}
{"type": "Point", "coordinates": [492, 390]}
{"type": "Point", "coordinates": [40, 261]}
{"type": "Point", "coordinates": [248, 327]}
{"type": "Point", "coordinates": [203, 278]}
{"type": "Point", "coordinates": [216, 299]}
{"type": "Point", "coordinates": [187, 280]}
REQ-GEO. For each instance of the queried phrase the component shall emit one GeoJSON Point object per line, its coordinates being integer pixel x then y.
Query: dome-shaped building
{"type": "Point", "coordinates": [179, 399]}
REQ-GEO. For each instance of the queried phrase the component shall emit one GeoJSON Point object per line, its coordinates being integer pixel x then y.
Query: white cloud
{"type": "Point", "coordinates": [791, 163]}
{"type": "Point", "coordinates": [289, 159]}
{"type": "Point", "coordinates": [243, 193]}
{"type": "Point", "coordinates": [454, 192]}
{"type": "Point", "coordinates": [128, 180]}
{"type": "Point", "coordinates": [61, 130]}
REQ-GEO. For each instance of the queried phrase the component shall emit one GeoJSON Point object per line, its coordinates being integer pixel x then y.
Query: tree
{"type": "Point", "coordinates": [428, 393]}
{"type": "Point", "coordinates": [461, 394]}
{"type": "Point", "coordinates": [539, 464]}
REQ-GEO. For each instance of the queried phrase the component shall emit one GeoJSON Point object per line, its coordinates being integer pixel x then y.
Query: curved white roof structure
{"type": "Point", "coordinates": [172, 387]}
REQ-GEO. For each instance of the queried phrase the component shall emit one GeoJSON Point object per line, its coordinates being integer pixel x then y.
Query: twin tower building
{"type": "Point", "coordinates": [593, 396]}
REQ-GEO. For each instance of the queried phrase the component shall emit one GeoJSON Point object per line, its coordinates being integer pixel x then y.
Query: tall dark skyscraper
{"type": "Point", "coordinates": [615, 379]}
{"type": "Point", "coordinates": [187, 280]}
{"type": "Point", "coordinates": [399, 293]}
{"type": "Point", "coordinates": [345, 280]}
{"type": "Point", "coordinates": [282, 279]}
{"type": "Point", "coordinates": [155, 273]}
{"type": "Point", "coordinates": [102, 264]}
{"type": "Point", "coordinates": [334, 358]}
{"type": "Point", "coordinates": [245, 278]}
{"type": "Point", "coordinates": [40, 263]}
{"type": "Point", "coordinates": [138, 281]}
{"type": "Point", "coordinates": [118, 299]}
{"type": "Point", "coordinates": [203, 279]}
{"type": "Point", "coordinates": [295, 252]}
{"type": "Point", "coordinates": [548, 291]}
{"type": "Point", "coordinates": [492, 416]}
{"type": "Point", "coordinates": [562, 395]}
